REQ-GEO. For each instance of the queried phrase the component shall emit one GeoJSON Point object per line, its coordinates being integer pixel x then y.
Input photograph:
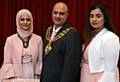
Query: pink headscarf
{"type": "Point", "coordinates": [20, 31]}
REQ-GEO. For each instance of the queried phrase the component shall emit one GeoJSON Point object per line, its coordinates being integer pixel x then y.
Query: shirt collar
{"type": "Point", "coordinates": [56, 30]}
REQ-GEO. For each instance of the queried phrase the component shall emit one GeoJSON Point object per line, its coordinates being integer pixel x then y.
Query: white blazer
{"type": "Point", "coordinates": [103, 55]}
{"type": "Point", "coordinates": [12, 56]}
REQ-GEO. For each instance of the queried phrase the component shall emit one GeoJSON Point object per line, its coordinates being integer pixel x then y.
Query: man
{"type": "Point", "coordinates": [62, 49]}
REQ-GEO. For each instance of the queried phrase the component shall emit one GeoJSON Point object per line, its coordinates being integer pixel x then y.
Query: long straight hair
{"type": "Point", "coordinates": [107, 24]}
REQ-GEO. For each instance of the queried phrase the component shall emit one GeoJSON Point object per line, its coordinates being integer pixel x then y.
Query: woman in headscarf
{"type": "Point", "coordinates": [23, 50]}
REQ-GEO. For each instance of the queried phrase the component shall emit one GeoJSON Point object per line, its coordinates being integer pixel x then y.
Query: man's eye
{"type": "Point", "coordinates": [55, 12]}
{"type": "Point", "coordinates": [62, 13]}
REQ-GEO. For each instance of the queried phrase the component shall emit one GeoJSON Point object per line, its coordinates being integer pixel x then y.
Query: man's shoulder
{"type": "Point", "coordinates": [73, 31]}
{"type": "Point", "coordinates": [49, 27]}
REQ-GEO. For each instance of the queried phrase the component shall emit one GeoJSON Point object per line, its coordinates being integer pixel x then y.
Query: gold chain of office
{"type": "Point", "coordinates": [60, 35]}
{"type": "Point", "coordinates": [48, 47]}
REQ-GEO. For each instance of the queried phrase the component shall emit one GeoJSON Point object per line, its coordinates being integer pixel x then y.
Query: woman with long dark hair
{"type": "Point", "coordinates": [101, 49]}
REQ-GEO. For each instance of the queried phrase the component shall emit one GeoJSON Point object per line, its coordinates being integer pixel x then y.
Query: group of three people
{"type": "Point", "coordinates": [65, 56]}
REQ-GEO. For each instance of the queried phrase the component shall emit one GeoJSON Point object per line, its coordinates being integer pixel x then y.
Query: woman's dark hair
{"type": "Point", "coordinates": [104, 9]}
{"type": "Point", "coordinates": [107, 24]}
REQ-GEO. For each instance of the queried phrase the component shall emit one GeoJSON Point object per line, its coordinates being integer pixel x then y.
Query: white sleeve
{"type": "Point", "coordinates": [111, 55]}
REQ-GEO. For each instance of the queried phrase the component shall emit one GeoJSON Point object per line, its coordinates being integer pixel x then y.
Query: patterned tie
{"type": "Point", "coordinates": [53, 35]}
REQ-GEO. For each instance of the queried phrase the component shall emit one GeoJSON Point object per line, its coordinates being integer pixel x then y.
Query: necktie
{"type": "Point", "coordinates": [52, 35]}
{"type": "Point", "coordinates": [48, 47]}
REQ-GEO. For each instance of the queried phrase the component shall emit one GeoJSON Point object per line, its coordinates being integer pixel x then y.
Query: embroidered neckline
{"type": "Point", "coordinates": [26, 41]}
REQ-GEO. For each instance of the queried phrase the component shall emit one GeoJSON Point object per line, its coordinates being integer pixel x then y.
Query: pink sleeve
{"type": "Point", "coordinates": [6, 70]}
{"type": "Point", "coordinates": [39, 62]}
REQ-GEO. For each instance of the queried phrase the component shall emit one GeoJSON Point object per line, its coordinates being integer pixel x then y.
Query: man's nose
{"type": "Point", "coordinates": [57, 15]}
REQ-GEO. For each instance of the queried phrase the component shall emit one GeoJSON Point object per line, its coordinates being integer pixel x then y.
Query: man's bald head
{"type": "Point", "coordinates": [61, 5]}
{"type": "Point", "coordinates": [59, 14]}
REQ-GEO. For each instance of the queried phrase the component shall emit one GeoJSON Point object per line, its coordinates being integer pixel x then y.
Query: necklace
{"type": "Point", "coordinates": [25, 41]}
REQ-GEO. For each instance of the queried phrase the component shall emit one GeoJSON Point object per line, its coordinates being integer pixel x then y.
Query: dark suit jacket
{"type": "Point", "coordinates": [62, 64]}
